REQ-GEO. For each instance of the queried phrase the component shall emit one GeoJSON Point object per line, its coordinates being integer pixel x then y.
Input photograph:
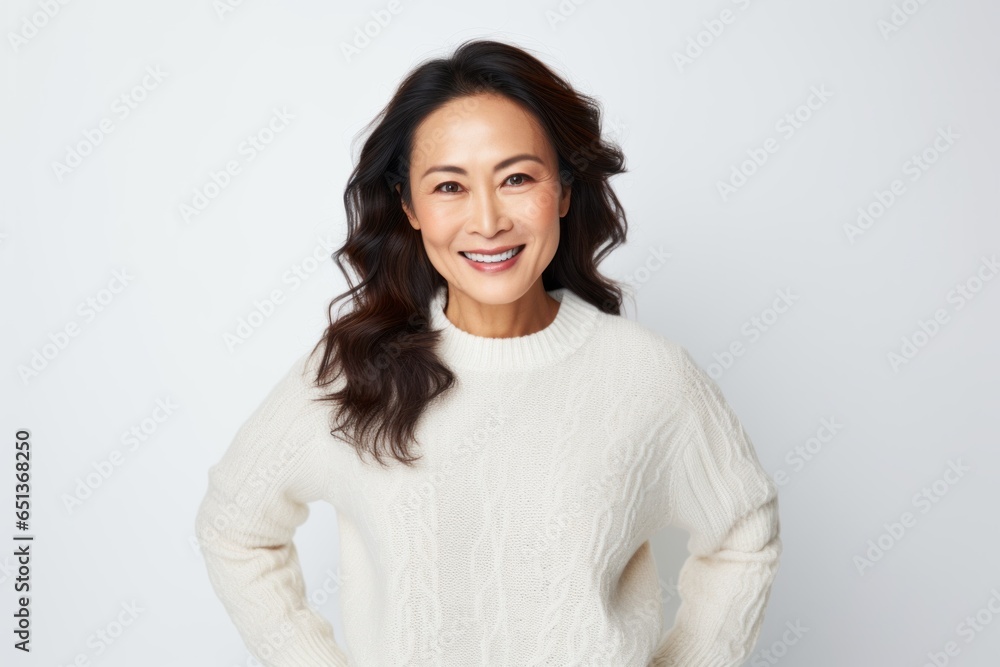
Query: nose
{"type": "Point", "coordinates": [488, 215]}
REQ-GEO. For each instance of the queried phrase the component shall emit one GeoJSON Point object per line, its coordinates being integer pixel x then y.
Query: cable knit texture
{"type": "Point", "coordinates": [522, 535]}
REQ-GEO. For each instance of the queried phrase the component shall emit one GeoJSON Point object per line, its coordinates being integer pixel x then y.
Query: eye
{"type": "Point", "coordinates": [523, 176]}
{"type": "Point", "coordinates": [438, 188]}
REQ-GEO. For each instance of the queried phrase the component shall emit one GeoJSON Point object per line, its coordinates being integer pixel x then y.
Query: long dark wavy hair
{"type": "Point", "coordinates": [384, 348]}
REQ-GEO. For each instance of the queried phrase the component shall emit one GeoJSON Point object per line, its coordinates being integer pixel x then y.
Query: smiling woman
{"type": "Point", "coordinates": [555, 436]}
{"type": "Point", "coordinates": [489, 218]}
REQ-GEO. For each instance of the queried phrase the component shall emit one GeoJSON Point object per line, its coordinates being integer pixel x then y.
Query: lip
{"type": "Point", "coordinates": [494, 267]}
{"type": "Point", "coordinates": [493, 251]}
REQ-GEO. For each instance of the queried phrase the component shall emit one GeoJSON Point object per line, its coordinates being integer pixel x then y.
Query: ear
{"type": "Point", "coordinates": [409, 214]}
{"type": "Point", "coordinates": [564, 198]}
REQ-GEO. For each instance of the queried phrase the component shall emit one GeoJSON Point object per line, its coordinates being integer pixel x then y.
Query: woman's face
{"type": "Point", "coordinates": [484, 176]}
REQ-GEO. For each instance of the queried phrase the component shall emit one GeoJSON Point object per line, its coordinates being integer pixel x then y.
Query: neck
{"type": "Point", "coordinates": [568, 329]}
{"type": "Point", "coordinates": [531, 313]}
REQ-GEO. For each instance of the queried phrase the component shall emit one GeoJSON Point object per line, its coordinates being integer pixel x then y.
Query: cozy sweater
{"type": "Point", "coordinates": [522, 535]}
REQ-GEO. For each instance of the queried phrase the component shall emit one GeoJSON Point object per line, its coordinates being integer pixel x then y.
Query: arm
{"type": "Point", "coordinates": [257, 496]}
{"type": "Point", "coordinates": [720, 494]}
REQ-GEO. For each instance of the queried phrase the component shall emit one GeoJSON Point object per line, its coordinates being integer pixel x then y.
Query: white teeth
{"type": "Point", "coordinates": [490, 259]}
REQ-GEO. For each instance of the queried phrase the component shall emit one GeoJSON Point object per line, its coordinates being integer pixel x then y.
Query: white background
{"type": "Point", "coordinates": [684, 128]}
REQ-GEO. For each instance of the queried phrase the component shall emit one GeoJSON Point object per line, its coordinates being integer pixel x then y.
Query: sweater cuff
{"type": "Point", "coordinates": [310, 652]}
{"type": "Point", "coordinates": [677, 651]}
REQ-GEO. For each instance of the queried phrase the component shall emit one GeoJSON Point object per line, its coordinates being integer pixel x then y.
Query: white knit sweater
{"type": "Point", "coordinates": [522, 536]}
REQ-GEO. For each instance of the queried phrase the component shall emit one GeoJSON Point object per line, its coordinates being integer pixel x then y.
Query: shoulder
{"type": "Point", "coordinates": [647, 360]}
{"type": "Point", "coordinates": [622, 337]}
{"type": "Point", "coordinates": [295, 391]}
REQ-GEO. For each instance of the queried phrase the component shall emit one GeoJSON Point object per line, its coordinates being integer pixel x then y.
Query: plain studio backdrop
{"type": "Point", "coordinates": [812, 199]}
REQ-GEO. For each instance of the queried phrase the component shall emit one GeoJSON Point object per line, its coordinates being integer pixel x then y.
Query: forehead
{"type": "Point", "coordinates": [476, 127]}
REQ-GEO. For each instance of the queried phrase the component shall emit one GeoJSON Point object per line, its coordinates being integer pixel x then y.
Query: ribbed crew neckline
{"type": "Point", "coordinates": [573, 324]}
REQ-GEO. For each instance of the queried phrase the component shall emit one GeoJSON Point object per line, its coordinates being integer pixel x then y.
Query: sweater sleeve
{"type": "Point", "coordinates": [257, 496]}
{"type": "Point", "coordinates": [728, 504]}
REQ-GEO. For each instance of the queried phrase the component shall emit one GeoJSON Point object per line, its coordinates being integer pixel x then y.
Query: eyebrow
{"type": "Point", "coordinates": [500, 165]}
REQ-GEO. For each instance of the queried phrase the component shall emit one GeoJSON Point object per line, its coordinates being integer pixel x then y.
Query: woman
{"type": "Point", "coordinates": [498, 442]}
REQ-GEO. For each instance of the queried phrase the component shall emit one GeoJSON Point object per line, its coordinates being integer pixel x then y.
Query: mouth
{"type": "Point", "coordinates": [484, 258]}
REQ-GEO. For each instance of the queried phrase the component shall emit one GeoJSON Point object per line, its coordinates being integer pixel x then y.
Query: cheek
{"type": "Point", "coordinates": [438, 228]}
{"type": "Point", "coordinates": [543, 203]}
